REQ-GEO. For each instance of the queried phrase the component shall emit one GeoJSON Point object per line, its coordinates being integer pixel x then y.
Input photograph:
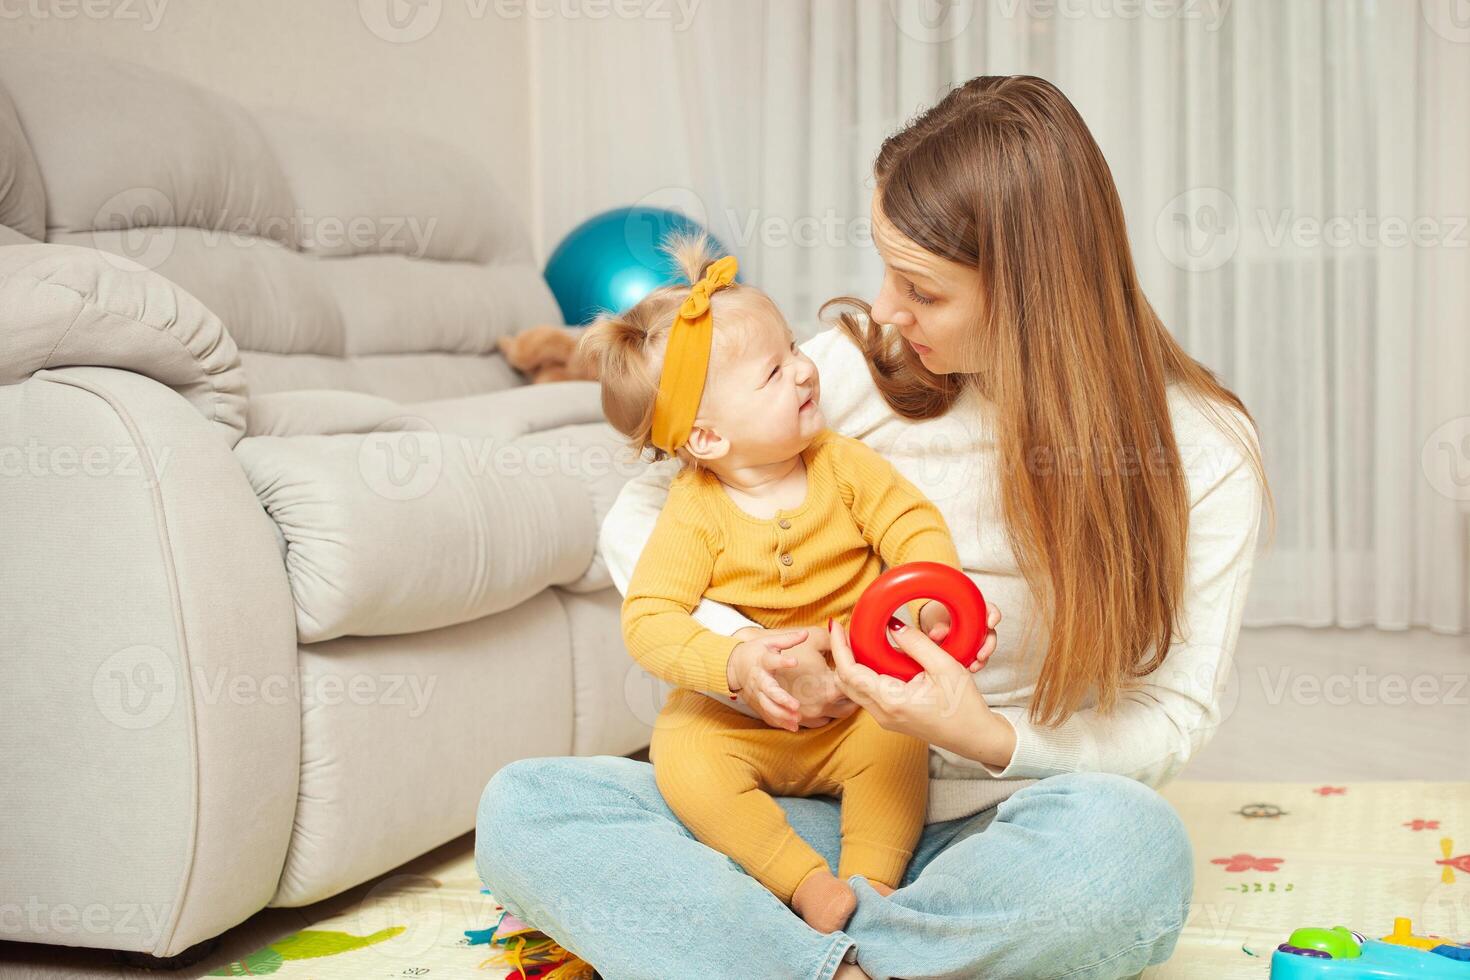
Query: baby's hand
{"type": "Point", "coordinates": [935, 622]}
{"type": "Point", "coordinates": [811, 681]}
{"type": "Point", "coordinates": [749, 672]}
{"type": "Point", "coordinates": [988, 647]}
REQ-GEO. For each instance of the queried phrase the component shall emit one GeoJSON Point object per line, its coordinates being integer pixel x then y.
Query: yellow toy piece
{"type": "Point", "coordinates": [1403, 935]}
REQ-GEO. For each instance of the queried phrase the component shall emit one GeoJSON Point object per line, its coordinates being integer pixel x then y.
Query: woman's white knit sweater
{"type": "Point", "coordinates": [1160, 722]}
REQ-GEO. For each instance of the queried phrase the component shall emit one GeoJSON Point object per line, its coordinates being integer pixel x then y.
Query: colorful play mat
{"type": "Point", "coordinates": [1269, 857]}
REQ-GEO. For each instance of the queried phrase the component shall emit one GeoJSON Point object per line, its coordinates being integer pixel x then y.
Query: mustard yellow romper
{"type": "Point", "coordinates": [716, 767]}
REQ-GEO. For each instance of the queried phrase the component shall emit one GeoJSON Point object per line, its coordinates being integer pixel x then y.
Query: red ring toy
{"type": "Point", "coordinates": [868, 632]}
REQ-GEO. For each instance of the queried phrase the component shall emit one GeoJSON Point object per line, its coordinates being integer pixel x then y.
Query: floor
{"type": "Point", "coordinates": [1302, 705]}
{"type": "Point", "coordinates": [1343, 705]}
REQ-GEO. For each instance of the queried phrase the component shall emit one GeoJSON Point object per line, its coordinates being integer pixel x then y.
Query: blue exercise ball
{"type": "Point", "coordinates": [612, 260]}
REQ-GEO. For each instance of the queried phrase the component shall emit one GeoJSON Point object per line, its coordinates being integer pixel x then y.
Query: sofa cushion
{"type": "Point", "coordinates": [597, 457]}
{"type": "Point", "coordinates": [400, 531]}
{"type": "Point", "coordinates": [22, 195]}
{"type": "Point", "coordinates": [399, 734]}
{"type": "Point", "coordinates": [401, 377]}
{"type": "Point", "coordinates": [124, 146]}
{"type": "Point", "coordinates": [517, 411]}
{"type": "Point", "coordinates": [305, 236]}
{"type": "Point", "coordinates": [282, 301]}
{"type": "Point", "coordinates": [375, 191]}
{"type": "Point", "coordinates": [443, 511]}
{"type": "Point", "coordinates": [505, 415]}
{"type": "Point", "coordinates": [270, 296]}
{"type": "Point", "coordinates": [550, 427]}
{"type": "Point", "coordinates": [66, 307]}
{"type": "Point", "coordinates": [393, 304]}
{"type": "Point", "coordinates": [318, 412]}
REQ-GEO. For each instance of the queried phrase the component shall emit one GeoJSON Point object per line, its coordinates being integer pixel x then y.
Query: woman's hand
{"type": "Point", "coordinates": [940, 705]}
{"type": "Point", "coordinates": [809, 680]}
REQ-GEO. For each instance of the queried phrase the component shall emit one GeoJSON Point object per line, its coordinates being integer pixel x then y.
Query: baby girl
{"type": "Point", "coordinates": [788, 522]}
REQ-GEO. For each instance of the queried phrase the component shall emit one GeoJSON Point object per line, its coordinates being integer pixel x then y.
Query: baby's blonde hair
{"type": "Point", "coordinates": [628, 348]}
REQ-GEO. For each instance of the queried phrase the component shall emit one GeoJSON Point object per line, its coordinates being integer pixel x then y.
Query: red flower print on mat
{"type": "Point", "coordinates": [1330, 790]}
{"type": "Point", "coordinates": [1249, 862]}
{"type": "Point", "coordinates": [1422, 824]}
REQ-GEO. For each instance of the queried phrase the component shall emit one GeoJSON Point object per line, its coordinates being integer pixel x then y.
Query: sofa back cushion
{"type": "Point", "coordinates": [22, 195]}
{"type": "Point", "coordinates": [329, 253]}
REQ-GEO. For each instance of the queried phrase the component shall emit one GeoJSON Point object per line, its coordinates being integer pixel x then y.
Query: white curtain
{"type": "Point", "coordinates": [1296, 176]}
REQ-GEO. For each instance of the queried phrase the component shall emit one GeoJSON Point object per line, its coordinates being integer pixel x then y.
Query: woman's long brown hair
{"type": "Point", "coordinates": [1002, 175]}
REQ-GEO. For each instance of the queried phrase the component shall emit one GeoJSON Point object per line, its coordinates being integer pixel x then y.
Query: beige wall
{"type": "Point", "coordinates": [464, 81]}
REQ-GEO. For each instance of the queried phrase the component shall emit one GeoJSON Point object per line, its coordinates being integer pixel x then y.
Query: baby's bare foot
{"type": "Point", "coordinates": [824, 901]}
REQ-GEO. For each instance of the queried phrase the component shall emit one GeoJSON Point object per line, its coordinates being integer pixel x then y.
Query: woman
{"type": "Point", "coordinates": [1102, 487]}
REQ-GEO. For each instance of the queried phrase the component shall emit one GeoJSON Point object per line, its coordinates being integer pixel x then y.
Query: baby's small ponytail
{"type": "Point", "coordinates": [692, 252]}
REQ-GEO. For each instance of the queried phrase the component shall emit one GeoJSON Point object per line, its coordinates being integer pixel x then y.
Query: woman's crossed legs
{"type": "Point", "coordinates": [1078, 876]}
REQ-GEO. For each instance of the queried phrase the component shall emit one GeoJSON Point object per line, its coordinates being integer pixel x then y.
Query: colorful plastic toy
{"type": "Point", "coordinates": [868, 631]}
{"type": "Point", "coordinates": [1340, 954]}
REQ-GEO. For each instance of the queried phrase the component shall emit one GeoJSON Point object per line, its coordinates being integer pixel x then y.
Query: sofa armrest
{"type": "Point", "coordinates": [63, 306]}
{"type": "Point", "coordinates": [148, 675]}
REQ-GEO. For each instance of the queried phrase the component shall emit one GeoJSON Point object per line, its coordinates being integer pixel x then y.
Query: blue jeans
{"type": "Point", "coordinates": [1083, 876]}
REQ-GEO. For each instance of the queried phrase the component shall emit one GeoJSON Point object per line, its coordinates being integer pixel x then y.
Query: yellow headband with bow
{"type": "Point", "coordinates": [686, 359]}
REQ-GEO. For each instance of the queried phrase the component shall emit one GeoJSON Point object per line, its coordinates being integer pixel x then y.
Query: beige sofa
{"type": "Point", "coordinates": [292, 561]}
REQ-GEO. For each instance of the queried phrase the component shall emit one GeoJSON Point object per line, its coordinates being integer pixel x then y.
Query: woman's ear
{"type": "Point", "coordinates": [705, 444]}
